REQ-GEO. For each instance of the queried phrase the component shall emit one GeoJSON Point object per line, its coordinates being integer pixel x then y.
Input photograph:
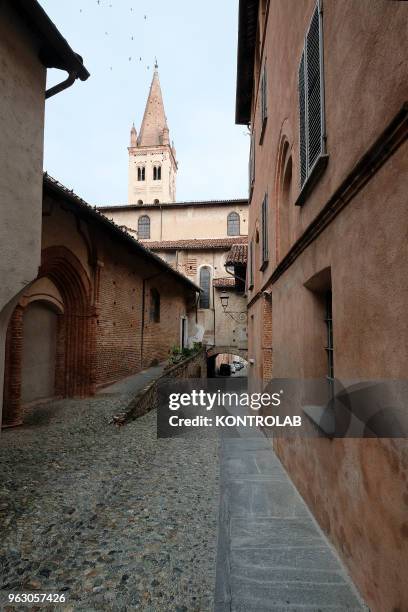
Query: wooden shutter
{"type": "Point", "coordinates": [251, 265]}
{"type": "Point", "coordinates": [265, 244]}
{"type": "Point", "coordinates": [314, 87]}
{"type": "Point", "coordinates": [252, 163]}
{"type": "Point", "coordinates": [311, 104]}
{"type": "Point", "coordinates": [264, 95]}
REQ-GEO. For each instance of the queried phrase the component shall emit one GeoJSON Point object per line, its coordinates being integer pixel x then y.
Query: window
{"type": "Point", "coordinates": [141, 173]}
{"type": "Point", "coordinates": [205, 283]}
{"type": "Point", "coordinates": [311, 101]}
{"type": "Point", "coordinates": [251, 265]}
{"type": "Point", "coordinates": [233, 220]}
{"type": "Point", "coordinates": [154, 306]}
{"type": "Point", "coordinates": [329, 347]}
{"type": "Point", "coordinates": [252, 163]}
{"type": "Point", "coordinates": [143, 227]}
{"type": "Point", "coordinates": [265, 234]}
{"type": "Point", "coordinates": [156, 202]}
{"type": "Point", "coordinates": [264, 100]}
{"type": "Point", "coordinates": [157, 173]}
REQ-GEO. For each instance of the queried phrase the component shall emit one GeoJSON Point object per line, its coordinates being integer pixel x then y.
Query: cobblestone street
{"type": "Point", "coordinates": [111, 516]}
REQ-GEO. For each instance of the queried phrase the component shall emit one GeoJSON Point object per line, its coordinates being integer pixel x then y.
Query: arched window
{"type": "Point", "coordinates": [205, 286]}
{"type": "Point", "coordinates": [157, 173]}
{"type": "Point", "coordinates": [233, 224]}
{"type": "Point", "coordinates": [140, 201]}
{"type": "Point", "coordinates": [154, 306]}
{"type": "Point", "coordinates": [156, 202]}
{"type": "Point", "coordinates": [141, 173]}
{"type": "Point", "coordinates": [143, 227]}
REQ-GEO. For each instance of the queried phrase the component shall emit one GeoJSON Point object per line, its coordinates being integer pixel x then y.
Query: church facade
{"type": "Point", "coordinates": [196, 238]}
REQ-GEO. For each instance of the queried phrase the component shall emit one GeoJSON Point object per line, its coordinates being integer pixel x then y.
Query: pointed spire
{"type": "Point", "coordinates": [133, 136]}
{"type": "Point", "coordinates": [154, 120]}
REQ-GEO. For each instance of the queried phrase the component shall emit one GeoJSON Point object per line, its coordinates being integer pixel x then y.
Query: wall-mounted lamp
{"type": "Point", "coordinates": [238, 317]}
{"type": "Point", "coordinates": [224, 297]}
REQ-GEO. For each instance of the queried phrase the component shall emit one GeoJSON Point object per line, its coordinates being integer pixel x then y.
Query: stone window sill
{"type": "Point", "coordinates": [323, 417]}
{"type": "Point", "coordinates": [314, 176]}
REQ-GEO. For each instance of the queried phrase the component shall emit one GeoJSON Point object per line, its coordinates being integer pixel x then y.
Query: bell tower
{"type": "Point", "coordinates": [152, 159]}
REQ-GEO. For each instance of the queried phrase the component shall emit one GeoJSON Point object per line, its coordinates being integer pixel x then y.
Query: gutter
{"type": "Point", "coordinates": [53, 49]}
{"type": "Point", "coordinates": [72, 77]}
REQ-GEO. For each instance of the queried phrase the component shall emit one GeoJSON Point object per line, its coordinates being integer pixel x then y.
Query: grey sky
{"type": "Point", "coordinates": [87, 127]}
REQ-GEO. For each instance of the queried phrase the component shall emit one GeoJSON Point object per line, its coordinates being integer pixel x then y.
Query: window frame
{"type": "Point", "coordinates": [141, 173]}
{"type": "Point", "coordinates": [157, 172]}
{"type": "Point", "coordinates": [264, 101]}
{"type": "Point", "coordinates": [264, 232]}
{"type": "Point", "coordinates": [140, 223]}
{"type": "Point", "coordinates": [154, 313]}
{"type": "Point", "coordinates": [235, 221]}
{"type": "Point", "coordinates": [205, 296]}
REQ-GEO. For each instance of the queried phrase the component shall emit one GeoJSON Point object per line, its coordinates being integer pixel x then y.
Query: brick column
{"type": "Point", "coordinates": [12, 410]}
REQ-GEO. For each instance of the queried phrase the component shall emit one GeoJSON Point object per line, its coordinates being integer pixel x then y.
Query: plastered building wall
{"type": "Point", "coordinates": [344, 482]}
{"type": "Point", "coordinates": [21, 156]}
{"type": "Point", "coordinates": [181, 222]}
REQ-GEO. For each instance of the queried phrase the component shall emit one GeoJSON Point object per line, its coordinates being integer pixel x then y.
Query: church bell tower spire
{"type": "Point", "coordinates": [152, 161]}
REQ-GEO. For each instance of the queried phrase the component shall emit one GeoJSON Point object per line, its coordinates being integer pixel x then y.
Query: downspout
{"type": "Point", "coordinates": [72, 77]}
{"type": "Point", "coordinates": [233, 274]}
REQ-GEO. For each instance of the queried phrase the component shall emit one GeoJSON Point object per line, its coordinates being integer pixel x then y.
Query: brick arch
{"type": "Point", "coordinates": [75, 362]}
{"type": "Point", "coordinates": [66, 271]}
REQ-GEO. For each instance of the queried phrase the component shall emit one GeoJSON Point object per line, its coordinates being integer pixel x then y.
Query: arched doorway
{"type": "Point", "coordinates": [50, 348]}
{"type": "Point", "coordinates": [39, 354]}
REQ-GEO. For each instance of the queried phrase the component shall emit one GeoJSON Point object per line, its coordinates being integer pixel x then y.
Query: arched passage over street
{"type": "Point", "coordinates": [235, 359]}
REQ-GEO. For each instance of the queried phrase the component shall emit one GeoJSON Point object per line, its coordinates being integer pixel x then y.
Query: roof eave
{"type": "Point", "coordinates": [55, 187]}
{"type": "Point", "coordinates": [55, 52]}
{"type": "Point", "coordinates": [247, 27]}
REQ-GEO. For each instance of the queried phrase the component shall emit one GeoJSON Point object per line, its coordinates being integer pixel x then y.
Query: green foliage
{"type": "Point", "coordinates": [176, 354]}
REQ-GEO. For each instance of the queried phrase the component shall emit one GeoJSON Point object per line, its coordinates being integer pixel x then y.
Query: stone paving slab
{"type": "Point", "coordinates": [320, 558]}
{"type": "Point", "coordinates": [272, 555]}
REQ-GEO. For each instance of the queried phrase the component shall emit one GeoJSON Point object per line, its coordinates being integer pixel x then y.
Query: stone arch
{"type": "Point", "coordinates": [75, 360]}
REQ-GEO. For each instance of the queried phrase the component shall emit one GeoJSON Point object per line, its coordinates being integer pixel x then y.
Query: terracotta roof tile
{"type": "Point", "coordinates": [204, 243]}
{"type": "Point", "coordinates": [55, 187]}
{"type": "Point", "coordinates": [238, 254]}
{"type": "Point", "coordinates": [222, 283]}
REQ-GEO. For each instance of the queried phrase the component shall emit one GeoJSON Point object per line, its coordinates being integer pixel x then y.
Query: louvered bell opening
{"type": "Point", "coordinates": [314, 91]}
{"type": "Point", "coordinates": [302, 126]}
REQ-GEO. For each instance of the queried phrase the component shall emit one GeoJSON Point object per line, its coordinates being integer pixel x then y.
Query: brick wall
{"type": "Point", "coordinates": [148, 398]}
{"type": "Point", "coordinates": [160, 336]}
{"type": "Point", "coordinates": [104, 329]}
{"type": "Point", "coordinates": [119, 322]}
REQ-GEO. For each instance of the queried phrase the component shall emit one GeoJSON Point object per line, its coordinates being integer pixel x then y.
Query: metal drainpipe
{"type": "Point", "coordinates": [234, 275]}
{"type": "Point", "coordinates": [72, 77]}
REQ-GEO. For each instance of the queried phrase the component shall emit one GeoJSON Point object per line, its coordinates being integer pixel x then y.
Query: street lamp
{"type": "Point", "coordinates": [224, 297]}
